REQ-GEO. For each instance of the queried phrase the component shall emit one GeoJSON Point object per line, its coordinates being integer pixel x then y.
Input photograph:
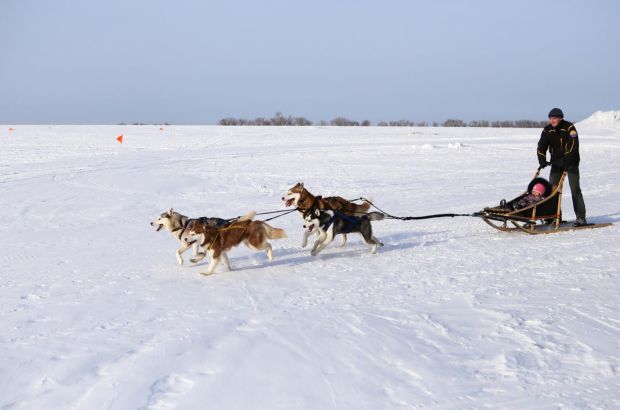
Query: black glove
{"type": "Point", "coordinates": [543, 164]}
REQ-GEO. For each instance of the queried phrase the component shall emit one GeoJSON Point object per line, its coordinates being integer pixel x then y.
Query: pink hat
{"type": "Point", "coordinates": [540, 188]}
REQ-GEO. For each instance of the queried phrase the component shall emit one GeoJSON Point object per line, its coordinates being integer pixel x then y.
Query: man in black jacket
{"type": "Point", "coordinates": [561, 138]}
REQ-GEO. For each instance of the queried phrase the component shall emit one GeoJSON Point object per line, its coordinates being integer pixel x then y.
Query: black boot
{"type": "Point", "coordinates": [580, 222]}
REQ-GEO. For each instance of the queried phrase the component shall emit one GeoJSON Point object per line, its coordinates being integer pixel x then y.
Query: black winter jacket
{"type": "Point", "coordinates": [563, 144]}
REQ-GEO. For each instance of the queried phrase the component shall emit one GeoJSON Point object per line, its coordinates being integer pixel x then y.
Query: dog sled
{"type": "Point", "coordinates": [541, 217]}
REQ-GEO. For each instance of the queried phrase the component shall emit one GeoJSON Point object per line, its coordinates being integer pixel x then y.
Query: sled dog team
{"type": "Point", "coordinates": [324, 217]}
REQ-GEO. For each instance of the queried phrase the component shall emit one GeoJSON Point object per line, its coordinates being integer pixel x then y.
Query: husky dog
{"type": "Point", "coordinates": [177, 224]}
{"type": "Point", "coordinates": [218, 241]}
{"type": "Point", "coordinates": [303, 200]}
{"type": "Point", "coordinates": [328, 224]}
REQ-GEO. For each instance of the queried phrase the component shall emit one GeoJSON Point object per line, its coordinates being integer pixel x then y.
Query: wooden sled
{"type": "Point", "coordinates": [543, 217]}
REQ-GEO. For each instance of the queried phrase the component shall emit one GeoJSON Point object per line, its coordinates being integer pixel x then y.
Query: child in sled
{"type": "Point", "coordinates": [537, 194]}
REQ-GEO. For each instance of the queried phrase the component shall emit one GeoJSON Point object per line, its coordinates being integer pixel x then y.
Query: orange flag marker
{"type": "Point", "coordinates": [120, 138]}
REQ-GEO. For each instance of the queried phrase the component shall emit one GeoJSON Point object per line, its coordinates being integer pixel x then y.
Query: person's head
{"type": "Point", "coordinates": [555, 117]}
{"type": "Point", "coordinates": [538, 189]}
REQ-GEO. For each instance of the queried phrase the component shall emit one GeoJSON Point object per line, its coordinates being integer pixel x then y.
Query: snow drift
{"type": "Point", "coordinates": [601, 122]}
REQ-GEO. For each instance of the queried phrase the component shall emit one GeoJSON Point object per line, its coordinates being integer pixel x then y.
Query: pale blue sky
{"type": "Point", "coordinates": [191, 61]}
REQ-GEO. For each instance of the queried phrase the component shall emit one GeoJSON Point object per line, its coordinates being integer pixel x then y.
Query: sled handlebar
{"type": "Point", "coordinates": [537, 173]}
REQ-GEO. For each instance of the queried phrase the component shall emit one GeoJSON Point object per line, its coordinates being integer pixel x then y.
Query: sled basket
{"type": "Point", "coordinates": [546, 211]}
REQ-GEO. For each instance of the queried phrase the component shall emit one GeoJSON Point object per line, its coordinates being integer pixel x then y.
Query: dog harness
{"type": "Point", "coordinates": [182, 229]}
{"type": "Point", "coordinates": [224, 228]}
{"type": "Point", "coordinates": [350, 221]}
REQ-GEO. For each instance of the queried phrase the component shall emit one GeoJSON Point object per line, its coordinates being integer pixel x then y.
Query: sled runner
{"type": "Point", "coordinates": [542, 217]}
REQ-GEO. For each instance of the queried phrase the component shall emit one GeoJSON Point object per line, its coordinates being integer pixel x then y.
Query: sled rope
{"type": "Point", "coordinates": [286, 212]}
{"type": "Point", "coordinates": [409, 218]}
{"type": "Point", "coordinates": [275, 212]}
{"type": "Point", "coordinates": [281, 212]}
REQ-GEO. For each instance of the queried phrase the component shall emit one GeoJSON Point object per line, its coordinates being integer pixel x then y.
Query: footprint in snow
{"type": "Point", "coordinates": [167, 388]}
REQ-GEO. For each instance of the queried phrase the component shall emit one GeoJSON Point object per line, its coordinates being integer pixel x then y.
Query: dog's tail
{"type": "Point", "coordinates": [363, 207]}
{"type": "Point", "coordinates": [376, 216]}
{"type": "Point", "coordinates": [273, 233]}
{"type": "Point", "coordinates": [247, 217]}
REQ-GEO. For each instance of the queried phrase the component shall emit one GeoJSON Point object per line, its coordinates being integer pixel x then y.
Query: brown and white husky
{"type": "Point", "coordinates": [218, 241]}
{"type": "Point", "coordinates": [177, 225]}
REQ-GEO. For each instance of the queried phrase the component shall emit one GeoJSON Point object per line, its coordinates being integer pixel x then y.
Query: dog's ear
{"type": "Point", "coordinates": [170, 211]}
{"type": "Point", "coordinates": [301, 185]}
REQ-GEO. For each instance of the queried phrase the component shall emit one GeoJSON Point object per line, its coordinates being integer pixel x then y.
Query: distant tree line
{"type": "Point", "coordinates": [141, 123]}
{"type": "Point", "coordinates": [403, 123]}
{"type": "Point", "coordinates": [494, 124]}
{"type": "Point", "coordinates": [280, 119]}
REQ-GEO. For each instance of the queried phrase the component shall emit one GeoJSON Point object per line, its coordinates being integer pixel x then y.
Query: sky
{"type": "Point", "coordinates": [196, 61]}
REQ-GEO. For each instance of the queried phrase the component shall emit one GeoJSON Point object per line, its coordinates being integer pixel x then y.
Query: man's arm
{"type": "Point", "coordinates": [543, 145]}
{"type": "Point", "coordinates": [571, 146]}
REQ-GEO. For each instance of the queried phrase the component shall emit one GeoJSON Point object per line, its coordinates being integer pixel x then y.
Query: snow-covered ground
{"type": "Point", "coordinates": [96, 313]}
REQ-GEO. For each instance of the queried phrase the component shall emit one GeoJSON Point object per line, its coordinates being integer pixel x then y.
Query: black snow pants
{"type": "Point", "coordinates": [573, 179]}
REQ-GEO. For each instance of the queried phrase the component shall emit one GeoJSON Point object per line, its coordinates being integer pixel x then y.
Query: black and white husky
{"type": "Point", "coordinates": [331, 223]}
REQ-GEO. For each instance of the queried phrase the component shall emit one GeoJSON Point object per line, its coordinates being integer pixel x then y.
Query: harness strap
{"type": "Point", "coordinates": [217, 234]}
{"type": "Point", "coordinates": [352, 219]}
{"type": "Point", "coordinates": [329, 223]}
{"type": "Point", "coordinates": [182, 229]}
